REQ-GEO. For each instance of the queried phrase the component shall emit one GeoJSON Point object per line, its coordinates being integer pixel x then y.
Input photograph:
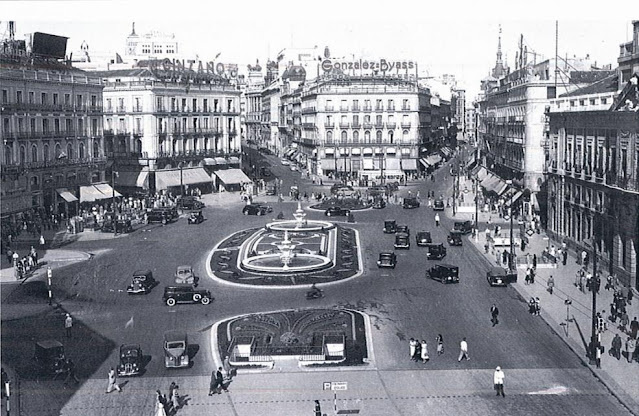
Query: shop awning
{"type": "Point", "coordinates": [500, 186]}
{"type": "Point", "coordinates": [433, 159]}
{"type": "Point", "coordinates": [424, 162]}
{"type": "Point", "coordinates": [482, 173]}
{"type": "Point", "coordinates": [329, 151]}
{"type": "Point", "coordinates": [138, 179]}
{"type": "Point", "coordinates": [232, 176]}
{"type": "Point", "coordinates": [356, 151]}
{"type": "Point", "coordinates": [368, 151]}
{"type": "Point", "coordinates": [220, 161]}
{"type": "Point", "coordinates": [446, 151]}
{"type": "Point", "coordinates": [328, 164]}
{"type": "Point", "coordinates": [392, 164]}
{"type": "Point", "coordinates": [515, 197]}
{"type": "Point", "coordinates": [368, 164]}
{"type": "Point", "coordinates": [66, 195]}
{"type": "Point", "coordinates": [91, 193]}
{"type": "Point", "coordinates": [209, 161]}
{"type": "Point", "coordinates": [234, 159]}
{"type": "Point", "coordinates": [106, 189]}
{"type": "Point", "coordinates": [168, 178]}
{"type": "Point", "coordinates": [409, 164]}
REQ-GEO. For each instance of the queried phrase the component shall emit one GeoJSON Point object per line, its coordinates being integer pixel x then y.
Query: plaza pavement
{"type": "Point", "coordinates": [619, 376]}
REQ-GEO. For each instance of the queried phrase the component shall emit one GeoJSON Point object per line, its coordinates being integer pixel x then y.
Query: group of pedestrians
{"type": "Point", "coordinates": [25, 265]}
{"type": "Point", "coordinates": [221, 378]}
{"type": "Point", "coordinates": [418, 350]}
{"type": "Point", "coordinates": [169, 404]}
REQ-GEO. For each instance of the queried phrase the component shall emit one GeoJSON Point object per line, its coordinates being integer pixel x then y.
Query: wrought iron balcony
{"type": "Point", "coordinates": [328, 125]}
{"type": "Point", "coordinates": [391, 125]}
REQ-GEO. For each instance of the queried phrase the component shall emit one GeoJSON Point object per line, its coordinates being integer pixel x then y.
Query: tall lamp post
{"type": "Point", "coordinates": [476, 225]}
{"type": "Point", "coordinates": [594, 339]}
{"type": "Point", "coordinates": [512, 241]}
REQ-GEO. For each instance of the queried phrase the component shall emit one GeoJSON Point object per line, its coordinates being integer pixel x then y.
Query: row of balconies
{"type": "Point", "coordinates": [197, 131]}
{"type": "Point", "coordinates": [51, 134]}
{"type": "Point", "coordinates": [366, 125]}
{"type": "Point", "coordinates": [44, 164]}
{"type": "Point", "coordinates": [123, 132]}
{"type": "Point", "coordinates": [597, 175]}
{"type": "Point", "coordinates": [360, 143]}
{"type": "Point", "coordinates": [366, 108]}
{"type": "Point", "coordinates": [50, 108]}
{"type": "Point", "coordinates": [175, 110]}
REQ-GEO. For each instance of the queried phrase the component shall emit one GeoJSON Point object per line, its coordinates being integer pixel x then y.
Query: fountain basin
{"type": "Point", "coordinates": [313, 225]}
{"type": "Point", "coordinates": [271, 263]}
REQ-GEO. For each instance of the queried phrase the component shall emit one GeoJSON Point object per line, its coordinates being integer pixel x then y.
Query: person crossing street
{"type": "Point", "coordinates": [498, 380]}
{"type": "Point", "coordinates": [494, 313]}
{"type": "Point", "coordinates": [463, 350]}
{"type": "Point", "coordinates": [437, 220]}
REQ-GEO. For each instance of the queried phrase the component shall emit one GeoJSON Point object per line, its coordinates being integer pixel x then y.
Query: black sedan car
{"type": "Point", "coordinates": [379, 203]}
{"type": "Point", "coordinates": [435, 251]}
{"type": "Point", "coordinates": [131, 360]}
{"type": "Point", "coordinates": [438, 205]}
{"type": "Point", "coordinates": [337, 212]}
{"type": "Point", "coordinates": [402, 241]}
{"type": "Point", "coordinates": [455, 238]}
{"type": "Point", "coordinates": [402, 229]}
{"type": "Point", "coordinates": [423, 238]}
{"type": "Point", "coordinates": [444, 273]}
{"type": "Point", "coordinates": [390, 226]}
{"type": "Point", "coordinates": [464, 227]}
{"type": "Point", "coordinates": [189, 202]}
{"type": "Point", "coordinates": [410, 203]}
{"type": "Point", "coordinates": [498, 276]}
{"type": "Point", "coordinates": [141, 283]}
{"type": "Point", "coordinates": [387, 259]}
{"type": "Point", "coordinates": [186, 294]}
{"type": "Point", "coordinates": [256, 209]}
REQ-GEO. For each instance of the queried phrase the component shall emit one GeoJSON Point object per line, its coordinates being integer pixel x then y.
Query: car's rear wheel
{"type": "Point", "coordinates": [259, 213]}
{"type": "Point", "coordinates": [205, 300]}
{"type": "Point", "coordinates": [245, 212]}
{"type": "Point", "coordinates": [197, 297]}
{"type": "Point", "coordinates": [170, 302]}
{"type": "Point", "coordinates": [328, 214]}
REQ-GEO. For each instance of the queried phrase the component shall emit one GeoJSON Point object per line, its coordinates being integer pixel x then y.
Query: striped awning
{"type": "Point", "coordinates": [424, 162]}
{"type": "Point", "coordinates": [66, 195]}
{"type": "Point", "coordinates": [232, 176]}
{"type": "Point", "coordinates": [409, 164]}
{"type": "Point", "coordinates": [433, 159]}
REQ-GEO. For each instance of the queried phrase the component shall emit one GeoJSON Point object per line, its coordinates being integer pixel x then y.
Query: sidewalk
{"type": "Point", "coordinates": [619, 376]}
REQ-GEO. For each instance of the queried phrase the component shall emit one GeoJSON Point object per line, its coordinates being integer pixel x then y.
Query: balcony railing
{"type": "Point", "coordinates": [406, 125]}
{"type": "Point", "coordinates": [309, 110]}
{"type": "Point", "coordinates": [344, 125]}
{"type": "Point", "coordinates": [391, 125]}
{"type": "Point", "coordinates": [44, 164]}
{"type": "Point", "coordinates": [367, 125]}
{"type": "Point", "coordinates": [328, 125]}
{"type": "Point", "coordinates": [137, 109]}
{"type": "Point", "coordinates": [343, 109]}
{"type": "Point", "coordinates": [329, 108]}
{"type": "Point", "coordinates": [379, 125]}
{"type": "Point", "coordinates": [308, 125]}
{"type": "Point", "coordinates": [406, 108]}
{"type": "Point", "coordinates": [367, 108]}
{"type": "Point", "coordinates": [379, 108]}
{"type": "Point", "coordinates": [356, 125]}
{"type": "Point", "coordinates": [121, 109]}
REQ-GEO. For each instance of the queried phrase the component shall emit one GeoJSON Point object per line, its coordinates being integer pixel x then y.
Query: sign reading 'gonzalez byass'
{"type": "Point", "coordinates": [379, 65]}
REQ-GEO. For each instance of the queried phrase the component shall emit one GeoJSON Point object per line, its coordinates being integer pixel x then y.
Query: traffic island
{"type": "Point", "coordinates": [310, 337]}
{"type": "Point", "coordinates": [351, 204]}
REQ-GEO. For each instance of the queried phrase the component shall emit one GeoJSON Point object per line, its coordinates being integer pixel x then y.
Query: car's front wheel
{"type": "Point", "coordinates": [170, 302]}
{"type": "Point", "coordinates": [245, 212]}
{"type": "Point", "coordinates": [205, 300]}
{"type": "Point", "coordinates": [259, 213]}
{"type": "Point", "coordinates": [197, 297]}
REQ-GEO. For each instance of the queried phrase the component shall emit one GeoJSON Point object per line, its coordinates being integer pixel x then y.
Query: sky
{"type": "Point", "coordinates": [452, 37]}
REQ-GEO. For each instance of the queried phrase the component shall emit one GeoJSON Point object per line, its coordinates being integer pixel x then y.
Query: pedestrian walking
{"type": "Point", "coordinates": [437, 220]}
{"type": "Point", "coordinates": [463, 350]}
{"type": "Point", "coordinates": [318, 408]}
{"type": "Point", "coordinates": [160, 404]}
{"type": "Point", "coordinates": [4, 379]}
{"type": "Point", "coordinates": [564, 257]}
{"type": "Point", "coordinates": [213, 384]}
{"type": "Point", "coordinates": [534, 261]}
{"type": "Point", "coordinates": [440, 344]}
{"type": "Point", "coordinates": [624, 321]}
{"type": "Point", "coordinates": [584, 255]}
{"type": "Point", "coordinates": [69, 367]}
{"type": "Point", "coordinates": [528, 274]}
{"type": "Point", "coordinates": [550, 284]}
{"type": "Point", "coordinates": [113, 385]}
{"type": "Point", "coordinates": [631, 345]}
{"type": "Point", "coordinates": [68, 324]}
{"type": "Point", "coordinates": [498, 381]}
{"type": "Point", "coordinates": [537, 306]}
{"type": "Point", "coordinates": [219, 377]}
{"type": "Point", "coordinates": [175, 396]}
{"type": "Point", "coordinates": [41, 241]}
{"type": "Point", "coordinates": [615, 349]}
{"type": "Point", "coordinates": [494, 313]}
{"type": "Point", "coordinates": [412, 348]}
{"type": "Point", "coordinates": [598, 350]}
{"type": "Point", "coordinates": [424, 352]}
{"type": "Point", "coordinates": [634, 327]}
{"type": "Point", "coordinates": [228, 369]}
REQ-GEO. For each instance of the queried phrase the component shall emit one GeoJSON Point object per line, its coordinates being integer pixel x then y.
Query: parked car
{"type": "Point", "coordinates": [195, 217]}
{"type": "Point", "coordinates": [455, 238]}
{"type": "Point", "coordinates": [172, 210]}
{"type": "Point", "coordinates": [402, 241]}
{"type": "Point", "coordinates": [189, 202]}
{"type": "Point", "coordinates": [342, 190]}
{"type": "Point", "coordinates": [49, 356]}
{"type": "Point", "coordinates": [402, 229]}
{"type": "Point", "coordinates": [423, 238]}
{"type": "Point", "coordinates": [438, 205]}
{"type": "Point", "coordinates": [464, 227]}
{"type": "Point", "coordinates": [379, 203]}
{"type": "Point", "coordinates": [435, 251]}
{"type": "Point", "coordinates": [141, 283]}
{"type": "Point", "coordinates": [387, 259]}
{"type": "Point", "coordinates": [445, 273]}
{"type": "Point", "coordinates": [184, 276]}
{"type": "Point", "coordinates": [176, 350]}
{"type": "Point", "coordinates": [410, 203]}
{"type": "Point", "coordinates": [294, 168]}
{"type": "Point", "coordinates": [186, 294]}
{"type": "Point", "coordinates": [337, 212]}
{"type": "Point", "coordinates": [498, 276]}
{"type": "Point", "coordinates": [390, 226]}
{"type": "Point", "coordinates": [270, 188]}
{"type": "Point", "coordinates": [117, 226]}
{"type": "Point", "coordinates": [265, 172]}
{"type": "Point", "coordinates": [256, 209]}
{"type": "Point", "coordinates": [377, 190]}
{"type": "Point", "coordinates": [158, 215]}
{"type": "Point", "coordinates": [285, 162]}
{"type": "Point", "coordinates": [131, 360]}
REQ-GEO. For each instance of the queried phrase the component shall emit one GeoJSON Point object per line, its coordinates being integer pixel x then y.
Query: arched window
{"type": "Point", "coordinates": [122, 146]}
{"type": "Point", "coordinates": [138, 145]}
{"type": "Point", "coordinates": [69, 150]}
{"type": "Point", "coordinates": [194, 144]}
{"type": "Point", "coordinates": [23, 155]}
{"type": "Point", "coordinates": [8, 155]}
{"type": "Point", "coordinates": [378, 136]}
{"type": "Point", "coordinates": [96, 148]}
{"type": "Point", "coordinates": [58, 150]}
{"type": "Point", "coordinates": [367, 136]}
{"type": "Point", "coordinates": [405, 136]}
{"type": "Point", "coordinates": [344, 136]}
{"type": "Point", "coordinates": [329, 137]}
{"type": "Point", "coordinates": [34, 183]}
{"type": "Point", "coordinates": [356, 136]}
{"type": "Point", "coordinates": [45, 152]}
{"type": "Point", "coordinates": [81, 150]}
{"type": "Point", "coordinates": [391, 133]}
{"type": "Point", "coordinates": [34, 153]}
{"type": "Point", "coordinates": [206, 143]}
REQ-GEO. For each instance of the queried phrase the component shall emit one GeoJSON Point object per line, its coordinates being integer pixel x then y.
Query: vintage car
{"type": "Point", "coordinates": [402, 241]}
{"type": "Point", "coordinates": [455, 238]}
{"type": "Point", "coordinates": [118, 226]}
{"type": "Point", "coordinates": [141, 283]}
{"type": "Point", "coordinates": [410, 203]}
{"type": "Point", "coordinates": [184, 275]}
{"type": "Point", "coordinates": [131, 360]}
{"type": "Point", "coordinates": [445, 273]}
{"type": "Point", "coordinates": [49, 356]}
{"type": "Point", "coordinates": [377, 190]}
{"type": "Point", "coordinates": [293, 168]}
{"type": "Point", "coordinates": [176, 350]}
{"type": "Point", "coordinates": [189, 202]}
{"type": "Point", "coordinates": [402, 229]}
{"type": "Point", "coordinates": [337, 212]}
{"type": "Point", "coordinates": [265, 172]}
{"type": "Point", "coordinates": [435, 251]}
{"type": "Point", "coordinates": [285, 162]}
{"type": "Point", "coordinates": [195, 217]}
{"type": "Point", "coordinates": [464, 227]}
{"type": "Point", "coordinates": [172, 210]}
{"type": "Point", "coordinates": [498, 276]}
{"type": "Point", "coordinates": [423, 238]}
{"type": "Point", "coordinates": [185, 294]}
{"type": "Point", "coordinates": [379, 203]}
{"type": "Point", "coordinates": [271, 189]}
{"type": "Point", "coordinates": [256, 209]}
{"type": "Point", "coordinates": [390, 226]}
{"type": "Point", "coordinates": [438, 205]}
{"type": "Point", "coordinates": [158, 215]}
{"type": "Point", "coordinates": [342, 190]}
{"type": "Point", "coordinates": [387, 259]}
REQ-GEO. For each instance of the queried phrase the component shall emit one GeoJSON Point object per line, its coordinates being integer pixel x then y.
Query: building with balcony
{"type": "Point", "coordinates": [593, 173]}
{"type": "Point", "coordinates": [253, 98]}
{"type": "Point", "coordinates": [159, 123]}
{"type": "Point", "coordinates": [52, 135]}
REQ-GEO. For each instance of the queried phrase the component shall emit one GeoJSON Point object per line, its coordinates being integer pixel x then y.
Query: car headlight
{"type": "Point", "coordinates": [185, 359]}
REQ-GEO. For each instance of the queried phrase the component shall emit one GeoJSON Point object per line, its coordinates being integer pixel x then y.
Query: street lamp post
{"type": "Point", "coordinates": [476, 208]}
{"type": "Point", "coordinates": [512, 242]}
{"type": "Point", "coordinates": [594, 284]}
